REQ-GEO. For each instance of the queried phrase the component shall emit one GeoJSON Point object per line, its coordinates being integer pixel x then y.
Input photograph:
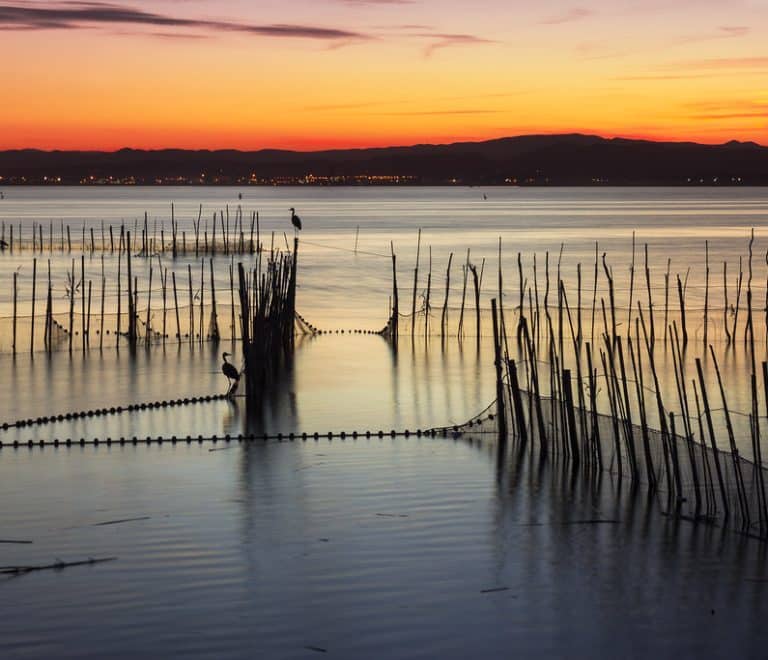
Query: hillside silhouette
{"type": "Point", "coordinates": [572, 159]}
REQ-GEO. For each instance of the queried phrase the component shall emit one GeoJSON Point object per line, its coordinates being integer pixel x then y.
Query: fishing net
{"type": "Point", "coordinates": [692, 479]}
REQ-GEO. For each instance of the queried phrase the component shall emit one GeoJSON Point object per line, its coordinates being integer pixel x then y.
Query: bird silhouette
{"type": "Point", "coordinates": [295, 220]}
{"type": "Point", "coordinates": [3, 245]}
{"type": "Point", "coordinates": [232, 374]}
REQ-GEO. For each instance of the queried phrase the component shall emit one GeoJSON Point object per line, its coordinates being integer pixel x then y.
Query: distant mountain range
{"type": "Point", "coordinates": [572, 159]}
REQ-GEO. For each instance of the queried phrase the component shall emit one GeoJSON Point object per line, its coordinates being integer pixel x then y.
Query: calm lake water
{"type": "Point", "coordinates": [394, 548]}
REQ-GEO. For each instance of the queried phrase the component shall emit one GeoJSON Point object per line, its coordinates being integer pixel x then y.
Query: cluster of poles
{"type": "Point", "coordinates": [577, 375]}
{"type": "Point", "coordinates": [228, 236]}
{"type": "Point", "coordinates": [392, 328]}
{"type": "Point", "coordinates": [732, 319]}
{"type": "Point", "coordinates": [553, 381]}
{"type": "Point", "coordinates": [267, 296]}
{"type": "Point", "coordinates": [133, 319]}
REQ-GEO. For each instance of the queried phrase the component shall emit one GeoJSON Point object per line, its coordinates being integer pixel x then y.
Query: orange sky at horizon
{"type": "Point", "coordinates": [348, 73]}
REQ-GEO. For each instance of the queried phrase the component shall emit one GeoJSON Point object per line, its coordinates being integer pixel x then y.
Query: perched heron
{"type": "Point", "coordinates": [295, 220]}
{"type": "Point", "coordinates": [232, 374]}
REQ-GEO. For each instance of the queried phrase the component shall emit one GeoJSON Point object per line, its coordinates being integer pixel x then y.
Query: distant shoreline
{"type": "Point", "coordinates": [528, 160]}
{"type": "Point", "coordinates": [5, 186]}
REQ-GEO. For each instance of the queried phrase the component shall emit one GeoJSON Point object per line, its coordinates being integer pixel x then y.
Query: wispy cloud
{"type": "Point", "coordinates": [439, 41]}
{"type": "Point", "coordinates": [671, 77]}
{"type": "Point", "coordinates": [400, 101]}
{"type": "Point", "coordinates": [733, 115]}
{"type": "Point", "coordinates": [722, 32]}
{"type": "Point", "coordinates": [734, 30]}
{"type": "Point", "coordinates": [567, 16]}
{"type": "Point", "coordinates": [377, 2]}
{"type": "Point", "coordinates": [729, 109]}
{"type": "Point", "coordinates": [432, 113]}
{"type": "Point", "coordinates": [753, 62]}
{"type": "Point", "coordinates": [78, 15]}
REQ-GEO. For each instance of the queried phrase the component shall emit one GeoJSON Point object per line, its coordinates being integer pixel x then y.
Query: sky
{"type": "Point", "coordinates": [314, 74]}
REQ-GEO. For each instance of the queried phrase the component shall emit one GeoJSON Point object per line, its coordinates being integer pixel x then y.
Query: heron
{"type": "Point", "coordinates": [295, 220]}
{"type": "Point", "coordinates": [232, 374]}
{"type": "Point", "coordinates": [3, 244]}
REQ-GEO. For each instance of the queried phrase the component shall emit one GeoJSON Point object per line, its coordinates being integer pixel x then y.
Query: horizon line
{"type": "Point", "coordinates": [607, 138]}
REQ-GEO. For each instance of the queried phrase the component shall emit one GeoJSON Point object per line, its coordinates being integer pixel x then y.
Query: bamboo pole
{"type": "Point", "coordinates": [465, 270]}
{"type": "Point", "coordinates": [82, 300]}
{"type": "Point", "coordinates": [611, 298]}
{"type": "Point", "coordinates": [176, 305]}
{"type": "Point", "coordinates": [596, 447]}
{"type": "Point", "coordinates": [191, 307]}
{"type": "Point", "coordinates": [738, 302]}
{"type": "Point", "coordinates": [725, 302]}
{"type": "Point", "coordinates": [709, 486]}
{"type": "Point", "coordinates": [232, 328]}
{"type": "Point", "coordinates": [501, 414]}
{"type": "Point", "coordinates": [579, 330]}
{"type": "Point", "coordinates": [88, 322]}
{"type": "Point", "coordinates": [213, 237]}
{"type": "Point", "coordinates": [49, 312]}
{"type": "Point", "coordinates": [681, 297]}
{"type": "Point", "coordinates": [517, 401]}
{"type": "Point", "coordinates": [713, 442]}
{"type": "Point", "coordinates": [443, 318]}
{"type": "Point", "coordinates": [213, 328]}
{"type": "Point", "coordinates": [197, 231]}
{"type": "Point", "coordinates": [202, 297]}
{"type": "Point", "coordinates": [15, 304]}
{"type": "Point", "coordinates": [147, 332]}
{"type": "Point", "coordinates": [394, 327]}
{"type": "Point", "coordinates": [415, 284]}
{"type": "Point", "coordinates": [675, 464]}
{"type": "Point", "coordinates": [637, 369]}
{"type": "Point", "coordinates": [119, 287]}
{"type": "Point", "coordinates": [72, 306]}
{"type": "Point", "coordinates": [164, 280]}
{"type": "Point", "coordinates": [476, 282]}
{"type": "Point", "coordinates": [426, 302]}
{"type": "Point", "coordinates": [103, 290]}
{"type": "Point", "coordinates": [571, 418]}
{"type": "Point", "coordinates": [650, 298]}
{"type": "Point", "coordinates": [131, 309]}
{"type": "Point", "coordinates": [734, 449]}
{"type": "Point", "coordinates": [666, 299]}
{"type": "Point", "coordinates": [706, 293]}
{"type": "Point", "coordinates": [34, 289]}
{"type": "Point", "coordinates": [758, 455]}
{"type": "Point", "coordinates": [679, 366]}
